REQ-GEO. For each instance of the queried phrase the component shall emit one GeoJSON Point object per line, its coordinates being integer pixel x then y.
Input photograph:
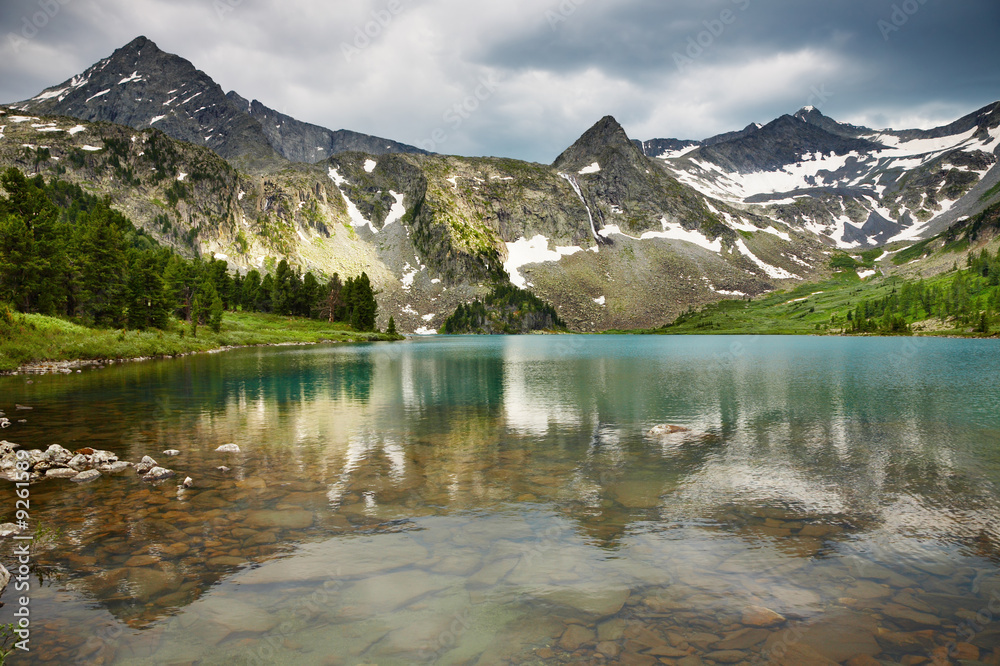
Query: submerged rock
{"type": "Point", "coordinates": [115, 467]}
{"type": "Point", "coordinates": [666, 429]}
{"type": "Point", "coordinates": [86, 476]}
{"type": "Point", "coordinates": [188, 482]}
{"type": "Point", "coordinates": [575, 636]}
{"type": "Point", "coordinates": [158, 474]}
{"type": "Point", "coordinates": [228, 448]}
{"type": "Point", "coordinates": [171, 452]}
{"type": "Point", "coordinates": [758, 616]}
{"type": "Point", "coordinates": [61, 473]}
{"type": "Point", "coordinates": [289, 519]}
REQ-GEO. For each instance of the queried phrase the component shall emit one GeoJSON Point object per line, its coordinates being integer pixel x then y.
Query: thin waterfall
{"type": "Point", "coordinates": [576, 188]}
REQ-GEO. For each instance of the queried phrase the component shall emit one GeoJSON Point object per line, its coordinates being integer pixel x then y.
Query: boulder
{"type": "Point", "coordinates": [102, 458]}
{"type": "Point", "coordinates": [115, 467]}
{"type": "Point", "coordinates": [158, 474]}
{"type": "Point", "coordinates": [145, 465]}
{"type": "Point", "coordinates": [86, 476]}
{"type": "Point", "coordinates": [61, 473]}
{"type": "Point", "coordinates": [57, 454]}
{"type": "Point", "coordinates": [8, 529]}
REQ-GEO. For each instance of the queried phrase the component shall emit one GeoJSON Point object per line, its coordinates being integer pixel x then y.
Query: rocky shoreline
{"type": "Point", "coordinates": [80, 466]}
{"type": "Point", "coordinates": [78, 365]}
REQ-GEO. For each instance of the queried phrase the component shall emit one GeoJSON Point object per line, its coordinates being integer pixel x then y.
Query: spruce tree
{"type": "Point", "coordinates": [215, 314]}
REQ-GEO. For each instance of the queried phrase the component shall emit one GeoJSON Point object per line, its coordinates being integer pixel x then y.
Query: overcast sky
{"type": "Point", "coordinates": [544, 70]}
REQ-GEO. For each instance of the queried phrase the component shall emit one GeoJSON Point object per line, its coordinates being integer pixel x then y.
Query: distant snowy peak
{"type": "Point", "coordinates": [852, 185]}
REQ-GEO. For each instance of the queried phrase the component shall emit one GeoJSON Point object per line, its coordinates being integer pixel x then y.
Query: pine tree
{"type": "Point", "coordinates": [195, 310]}
{"type": "Point", "coordinates": [147, 301]}
{"type": "Point", "coordinates": [391, 328]}
{"type": "Point", "coordinates": [249, 290]}
{"type": "Point", "coordinates": [215, 314]}
{"type": "Point", "coordinates": [101, 262]}
{"type": "Point", "coordinates": [309, 296]}
{"type": "Point", "coordinates": [365, 307]}
{"type": "Point", "coordinates": [263, 301]}
{"type": "Point", "coordinates": [333, 302]}
{"type": "Point", "coordinates": [283, 289]}
{"type": "Point", "coordinates": [38, 243]}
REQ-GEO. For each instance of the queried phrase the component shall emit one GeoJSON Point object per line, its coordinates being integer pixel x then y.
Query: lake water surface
{"type": "Point", "coordinates": [469, 500]}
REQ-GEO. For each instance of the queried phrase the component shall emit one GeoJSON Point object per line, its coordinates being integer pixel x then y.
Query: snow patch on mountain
{"type": "Point", "coordinates": [100, 94]}
{"type": "Point", "coordinates": [397, 211]}
{"type": "Point", "coordinates": [370, 165]}
{"type": "Point", "coordinates": [675, 231]}
{"type": "Point", "coordinates": [593, 168]}
{"type": "Point", "coordinates": [773, 272]}
{"type": "Point", "coordinates": [534, 251]}
{"type": "Point", "coordinates": [357, 219]}
{"type": "Point", "coordinates": [134, 76]}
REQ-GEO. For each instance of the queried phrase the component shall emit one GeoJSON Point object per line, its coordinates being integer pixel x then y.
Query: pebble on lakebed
{"type": "Point", "coordinates": [80, 466]}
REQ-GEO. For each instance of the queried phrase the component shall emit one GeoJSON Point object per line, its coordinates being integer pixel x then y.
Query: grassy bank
{"type": "Point", "coordinates": [35, 338]}
{"type": "Point", "coordinates": [820, 308]}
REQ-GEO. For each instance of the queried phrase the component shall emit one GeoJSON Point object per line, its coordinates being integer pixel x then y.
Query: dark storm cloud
{"type": "Point", "coordinates": [411, 69]}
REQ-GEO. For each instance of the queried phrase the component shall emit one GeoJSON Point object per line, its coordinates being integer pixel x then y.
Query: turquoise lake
{"type": "Point", "coordinates": [473, 500]}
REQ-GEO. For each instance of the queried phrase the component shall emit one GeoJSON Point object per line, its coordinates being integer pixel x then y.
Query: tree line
{"type": "Point", "coordinates": [64, 252]}
{"type": "Point", "coordinates": [505, 310]}
{"type": "Point", "coordinates": [971, 298]}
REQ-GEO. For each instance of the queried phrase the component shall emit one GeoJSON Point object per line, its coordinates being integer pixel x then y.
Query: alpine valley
{"type": "Point", "coordinates": [615, 233]}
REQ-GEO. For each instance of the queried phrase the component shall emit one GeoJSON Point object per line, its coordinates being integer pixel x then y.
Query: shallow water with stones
{"type": "Point", "coordinates": [500, 501]}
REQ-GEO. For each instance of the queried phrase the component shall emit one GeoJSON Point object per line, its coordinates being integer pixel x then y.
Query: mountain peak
{"type": "Point", "coordinates": [138, 43]}
{"type": "Point", "coordinates": [604, 138]}
{"type": "Point", "coordinates": [141, 86]}
{"type": "Point", "coordinates": [807, 113]}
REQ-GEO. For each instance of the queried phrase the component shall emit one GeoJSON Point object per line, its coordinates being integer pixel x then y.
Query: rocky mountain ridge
{"type": "Point", "coordinates": [141, 86]}
{"type": "Point", "coordinates": [853, 186]}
